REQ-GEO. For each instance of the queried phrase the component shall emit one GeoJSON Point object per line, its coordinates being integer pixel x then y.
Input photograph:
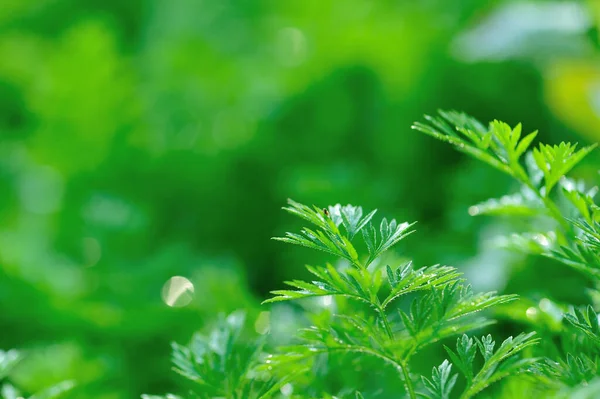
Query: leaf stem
{"type": "Point", "coordinates": [402, 365]}
{"type": "Point", "coordinates": [550, 205]}
{"type": "Point", "coordinates": [386, 323]}
{"type": "Point", "coordinates": [409, 386]}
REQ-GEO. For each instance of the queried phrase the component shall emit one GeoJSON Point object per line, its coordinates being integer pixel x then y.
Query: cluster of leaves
{"type": "Point", "coordinates": [547, 192]}
{"type": "Point", "coordinates": [442, 304]}
{"type": "Point", "coordinates": [391, 312]}
{"type": "Point", "coordinates": [494, 365]}
{"type": "Point", "coordinates": [8, 360]}
{"type": "Point", "coordinates": [223, 364]}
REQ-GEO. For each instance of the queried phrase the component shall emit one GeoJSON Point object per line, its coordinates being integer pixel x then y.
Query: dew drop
{"type": "Point", "coordinates": [545, 305]}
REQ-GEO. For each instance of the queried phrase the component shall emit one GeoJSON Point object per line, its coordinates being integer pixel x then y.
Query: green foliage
{"type": "Point", "coordinates": [498, 145]}
{"type": "Point", "coordinates": [10, 359]}
{"type": "Point", "coordinates": [377, 310]}
{"type": "Point", "coordinates": [144, 139]}
{"type": "Point", "coordinates": [573, 240]}
{"type": "Point", "coordinates": [543, 168]}
{"type": "Point", "coordinates": [496, 365]}
{"type": "Point", "coordinates": [502, 147]}
{"type": "Point", "coordinates": [224, 364]}
{"type": "Point", "coordinates": [442, 304]}
{"type": "Point", "coordinates": [556, 161]}
{"type": "Point", "coordinates": [586, 321]}
{"type": "Point", "coordinates": [441, 382]}
{"type": "Point", "coordinates": [387, 315]}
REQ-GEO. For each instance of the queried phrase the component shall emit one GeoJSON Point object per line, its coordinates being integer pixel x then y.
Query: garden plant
{"type": "Point", "coordinates": [371, 323]}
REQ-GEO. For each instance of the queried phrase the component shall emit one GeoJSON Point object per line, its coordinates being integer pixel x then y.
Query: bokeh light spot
{"type": "Point", "coordinates": [263, 323]}
{"type": "Point", "coordinates": [287, 389]}
{"type": "Point", "coordinates": [542, 240]}
{"type": "Point", "coordinates": [531, 313]}
{"type": "Point", "coordinates": [546, 305]}
{"type": "Point", "coordinates": [474, 210]}
{"type": "Point", "coordinates": [178, 292]}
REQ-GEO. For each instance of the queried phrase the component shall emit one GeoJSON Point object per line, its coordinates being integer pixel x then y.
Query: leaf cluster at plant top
{"type": "Point", "coordinates": [443, 305]}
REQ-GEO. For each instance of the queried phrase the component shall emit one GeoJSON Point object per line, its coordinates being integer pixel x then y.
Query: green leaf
{"type": "Point", "coordinates": [390, 276]}
{"type": "Point", "coordinates": [518, 204]}
{"type": "Point", "coordinates": [390, 233]}
{"type": "Point", "coordinates": [223, 363]}
{"type": "Point", "coordinates": [502, 363]}
{"type": "Point", "coordinates": [498, 146]}
{"type": "Point", "coordinates": [331, 282]}
{"type": "Point", "coordinates": [486, 346]}
{"type": "Point", "coordinates": [425, 278]}
{"type": "Point", "coordinates": [308, 214]}
{"type": "Point", "coordinates": [472, 303]}
{"type": "Point", "coordinates": [323, 241]}
{"type": "Point", "coordinates": [464, 356]}
{"type": "Point", "coordinates": [525, 143]}
{"type": "Point", "coordinates": [574, 371]}
{"type": "Point", "coordinates": [556, 161]}
{"type": "Point", "coordinates": [585, 321]}
{"type": "Point", "coordinates": [442, 381]}
{"type": "Point", "coordinates": [351, 218]}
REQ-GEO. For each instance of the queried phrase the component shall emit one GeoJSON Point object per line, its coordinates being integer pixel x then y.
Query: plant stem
{"type": "Point", "coordinates": [399, 366]}
{"type": "Point", "coordinates": [555, 212]}
{"type": "Point", "coordinates": [402, 365]}
{"type": "Point", "coordinates": [386, 323]}
{"type": "Point", "coordinates": [550, 205]}
{"type": "Point", "coordinates": [409, 386]}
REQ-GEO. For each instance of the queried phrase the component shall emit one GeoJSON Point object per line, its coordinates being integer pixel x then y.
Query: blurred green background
{"type": "Point", "coordinates": [146, 139]}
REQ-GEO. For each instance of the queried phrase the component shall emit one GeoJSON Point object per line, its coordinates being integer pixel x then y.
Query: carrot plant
{"type": "Point", "coordinates": [371, 318]}
{"type": "Point", "coordinates": [377, 323]}
{"type": "Point", "coordinates": [566, 209]}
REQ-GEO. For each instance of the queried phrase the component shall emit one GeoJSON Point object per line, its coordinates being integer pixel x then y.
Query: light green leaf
{"type": "Point", "coordinates": [442, 381]}
{"type": "Point", "coordinates": [556, 161]}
